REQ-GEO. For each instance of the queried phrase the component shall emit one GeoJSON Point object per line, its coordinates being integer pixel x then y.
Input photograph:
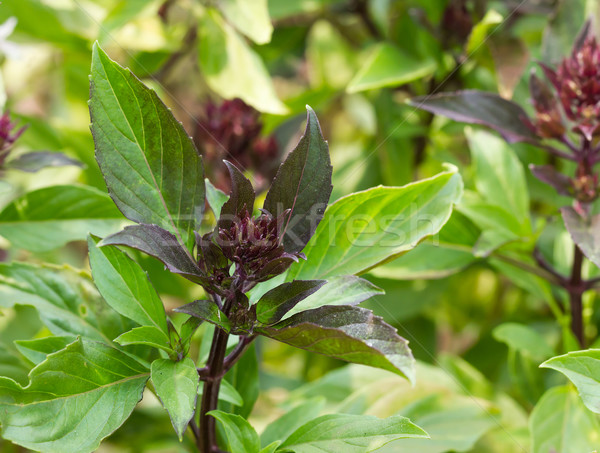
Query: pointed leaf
{"type": "Point", "coordinates": [583, 369]}
{"type": "Point", "coordinates": [241, 436]}
{"type": "Point", "coordinates": [158, 243]}
{"type": "Point", "coordinates": [216, 198]}
{"type": "Point", "coordinates": [585, 232]}
{"type": "Point", "coordinates": [350, 433]}
{"type": "Point", "coordinates": [303, 185]}
{"type": "Point", "coordinates": [125, 286]}
{"type": "Point", "coordinates": [37, 160]}
{"type": "Point", "coordinates": [48, 218]}
{"type": "Point", "coordinates": [344, 290]}
{"type": "Point", "coordinates": [147, 335]}
{"type": "Point", "coordinates": [389, 66]}
{"type": "Point", "coordinates": [241, 198]}
{"type": "Point", "coordinates": [208, 311]}
{"type": "Point", "coordinates": [176, 385]}
{"type": "Point", "coordinates": [276, 303]}
{"type": "Point", "coordinates": [478, 107]}
{"type": "Point", "coordinates": [75, 398]}
{"type": "Point", "coordinates": [347, 333]}
{"type": "Point", "coordinates": [138, 139]}
{"type": "Point", "coordinates": [365, 229]}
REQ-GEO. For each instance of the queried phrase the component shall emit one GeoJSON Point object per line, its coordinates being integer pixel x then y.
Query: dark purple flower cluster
{"type": "Point", "coordinates": [8, 135]}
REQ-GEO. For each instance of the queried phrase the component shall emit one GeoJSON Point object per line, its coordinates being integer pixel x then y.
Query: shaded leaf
{"type": "Point", "coordinates": [158, 243]}
{"type": "Point", "coordinates": [583, 369]}
{"type": "Point", "coordinates": [176, 384]}
{"type": "Point", "coordinates": [125, 286]}
{"type": "Point", "coordinates": [347, 333]}
{"type": "Point", "coordinates": [350, 433]}
{"type": "Point", "coordinates": [241, 436]}
{"type": "Point", "coordinates": [75, 398]}
{"type": "Point", "coordinates": [549, 175]}
{"type": "Point", "coordinates": [289, 422]}
{"type": "Point", "coordinates": [523, 339]}
{"type": "Point", "coordinates": [48, 218]}
{"type": "Point", "coordinates": [36, 160]}
{"type": "Point", "coordinates": [227, 393]}
{"type": "Point", "coordinates": [478, 107]}
{"type": "Point", "coordinates": [206, 310]}
{"type": "Point", "coordinates": [273, 305]}
{"type": "Point", "coordinates": [365, 229]}
{"type": "Point", "coordinates": [146, 335]}
{"type": "Point", "coordinates": [224, 55]}
{"type": "Point", "coordinates": [389, 66]}
{"type": "Point", "coordinates": [240, 199]}
{"type": "Point", "coordinates": [585, 232]}
{"type": "Point", "coordinates": [136, 134]}
{"type": "Point", "coordinates": [303, 185]}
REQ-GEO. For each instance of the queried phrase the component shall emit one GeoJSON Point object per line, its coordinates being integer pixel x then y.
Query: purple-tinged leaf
{"type": "Point", "coordinates": [276, 303]}
{"type": "Point", "coordinates": [208, 311]}
{"type": "Point", "coordinates": [303, 185]}
{"type": "Point", "coordinates": [549, 175]}
{"type": "Point", "coordinates": [347, 333]}
{"type": "Point", "coordinates": [478, 107]}
{"type": "Point", "coordinates": [240, 199]}
{"type": "Point", "coordinates": [37, 160]}
{"type": "Point", "coordinates": [585, 232]}
{"type": "Point", "coordinates": [160, 244]}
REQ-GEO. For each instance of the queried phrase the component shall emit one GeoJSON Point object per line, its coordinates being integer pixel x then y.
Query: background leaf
{"type": "Point", "coordinates": [251, 18]}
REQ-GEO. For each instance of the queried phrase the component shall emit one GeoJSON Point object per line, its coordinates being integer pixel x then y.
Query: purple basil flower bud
{"type": "Point", "coordinates": [548, 122]}
{"type": "Point", "coordinates": [255, 246]}
{"type": "Point", "coordinates": [7, 134]}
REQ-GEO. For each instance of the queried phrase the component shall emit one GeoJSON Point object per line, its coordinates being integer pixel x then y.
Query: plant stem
{"type": "Point", "coordinates": [210, 395]}
{"type": "Point", "coordinates": [576, 289]}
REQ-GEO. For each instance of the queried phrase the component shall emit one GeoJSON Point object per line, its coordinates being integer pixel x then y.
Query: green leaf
{"type": "Point", "coordinates": [241, 198]}
{"type": "Point", "coordinates": [302, 185]}
{"type": "Point", "coordinates": [125, 286]}
{"type": "Point", "coordinates": [138, 139]}
{"type": "Point", "coordinates": [344, 290]}
{"type": "Point", "coordinates": [216, 198]}
{"type": "Point", "coordinates": [36, 160]}
{"type": "Point", "coordinates": [523, 339]}
{"type": "Point", "coordinates": [500, 177]}
{"type": "Point", "coordinates": [241, 436]}
{"type": "Point", "coordinates": [478, 107]}
{"type": "Point", "coordinates": [224, 56]}
{"type": "Point", "coordinates": [206, 310]}
{"type": "Point", "coordinates": [365, 229]}
{"type": "Point", "coordinates": [147, 335]}
{"type": "Point", "coordinates": [289, 422]}
{"type": "Point", "coordinates": [75, 398]}
{"type": "Point", "coordinates": [389, 66]}
{"type": "Point", "coordinates": [176, 384]}
{"type": "Point", "coordinates": [48, 218]}
{"type": "Point", "coordinates": [160, 244]}
{"type": "Point", "coordinates": [37, 349]}
{"type": "Point", "coordinates": [251, 18]}
{"type": "Point", "coordinates": [273, 305]}
{"type": "Point", "coordinates": [560, 422]}
{"type": "Point", "coordinates": [585, 232]}
{"type": "Point", "coordinates": [66, 300]}
{"type": "Point", "coordinates": [227, 393]}
{"type": "Point", "coordinates": [350, 433]}
{"type": "Point", "coordinates": [347, 333]}
{"type": "Point", "coordinates": [583, 369]}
